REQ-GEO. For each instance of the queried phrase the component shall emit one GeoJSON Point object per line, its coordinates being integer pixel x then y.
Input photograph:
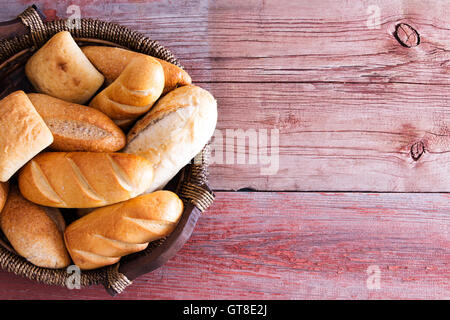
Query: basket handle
{"type": "Point", "coordinates": [20, 26]}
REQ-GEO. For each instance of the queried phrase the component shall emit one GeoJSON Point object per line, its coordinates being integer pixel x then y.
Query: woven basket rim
{"type": "Point", "coordinates": [106, 33]}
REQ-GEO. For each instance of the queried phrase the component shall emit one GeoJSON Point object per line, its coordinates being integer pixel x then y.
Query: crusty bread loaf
{"type": "Point", "coordinates": [76, 127]}
{"type": "Point", "coordinates": [23, 133]}
{"type": "Point", "coordinates": [134, 91]}
{"type": "Point", "coordinates": [35, 232]}
{"type": "Point", "coordinates": [84, 179]}
{"type": "Point", "coordinates": [61, 70]}
{"type": "Point", "coordinates": [106, 234]}
{"type": "Point", "coordinates": [111, 62]}
{"type": "Point", "coordinates": [4, 188]}
{"type": "Point", "coordinates": [174, 131]}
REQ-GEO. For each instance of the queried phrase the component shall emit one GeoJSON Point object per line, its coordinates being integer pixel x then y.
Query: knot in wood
{"type": "Point", "coordinates": [417, 149]}
{"type": "Point", "coordinates": [406, 35]}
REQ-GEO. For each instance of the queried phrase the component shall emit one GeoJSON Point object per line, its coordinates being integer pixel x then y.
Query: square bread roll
{"type": "Point", "coordinates": [60, 69]}
{"type": "Point", "coordinates": [23, 133]}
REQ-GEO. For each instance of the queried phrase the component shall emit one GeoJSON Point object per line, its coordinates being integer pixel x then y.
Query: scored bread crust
{"type": "Point", "coordinates": [35, 232]}
{"type": "Point", "coordinates": [111, 61]}
{"type": "Point", "coordinates": [103, 236]}
{"type": "Point", "coordinates": [23, 133]}
{"type": "Point", "coordinates": [84, 179]}
{"type": "Point", "coordinates": [76, 127]}
{"type": "Point", "coordinates": [174, 131]}
{"type": "Point", "coordinates": [60, 69]}
{"type": "Point", "coordinates": [134, 91]}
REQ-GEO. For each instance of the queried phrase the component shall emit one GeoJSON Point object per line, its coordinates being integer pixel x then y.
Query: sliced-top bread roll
{"type": "Point", "coordinates": [23, 133]}
{"type": "Point", "coordinates": [60, 69]}
{"type": "Point", "coordinates": [104, 235]}
{"type": "Point", "coordinates": [35, 232]}
{"type": "Point", "coordinates": [76, 127]}
{"type": "Point", "coordinates": [112, 61]}
{"type": "Point", "coordinates": [84, 179]}
{"type": "Point", "coordinates": [134, 91]}
{"type": "Point", "coordinates": [174, 131]}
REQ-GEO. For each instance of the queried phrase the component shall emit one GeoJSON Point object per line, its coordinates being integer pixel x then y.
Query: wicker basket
{"type": "Point", "coordinates": [29, 32]}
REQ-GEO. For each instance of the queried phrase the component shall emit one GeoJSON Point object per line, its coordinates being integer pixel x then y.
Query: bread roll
{"type": "Point", "coordinates": [61, 70]}
{"type": "Point", "coordinates": [134, 91]}
{"type": "Point", "coordinates": [76, 127]}
{"type": "Point", "coordinates": [111, 62]}
{"type": "Point", "coordinates": [125, 124]}
{"type": "Point", "coordinates": [84, 179]}
{"type": "Point", "coordinates": [4, 188]}
{"type": "Point", "coordinates": [174, 131]}
{"type": "Point", "coordinates": [35, 232]}
{"type": "Point", "coordinates": [106, 234]}
{"type": "Point", "coordinates": [23, 133]}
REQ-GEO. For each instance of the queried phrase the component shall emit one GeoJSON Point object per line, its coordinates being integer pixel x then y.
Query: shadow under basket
{"type": "Point", "coordinates": [21, 38]}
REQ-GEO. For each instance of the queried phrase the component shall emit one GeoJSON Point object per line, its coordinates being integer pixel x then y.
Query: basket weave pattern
{"type": "Point", "coordinates": [192, 188]}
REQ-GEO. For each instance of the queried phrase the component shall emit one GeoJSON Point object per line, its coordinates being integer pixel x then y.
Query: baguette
{"type": "Point", "coordinates": [84, 179]}
{"type": "Point", "coordinates": [35, 232]}
{"type": "Point", "coordinates": [23, 133]}
{"type": "Point", "coordinates": [76, 127]}
{"type": "Point", "coordinates": [174, 131]}
{"type": "Point", "coordinates": [61, 69]}
{"type": "Point", "coordinates": [105, 235]}
{"type": "Point", "coordinates": [111, 62]}
{"type": "Point", "coordinates": [134, 91]}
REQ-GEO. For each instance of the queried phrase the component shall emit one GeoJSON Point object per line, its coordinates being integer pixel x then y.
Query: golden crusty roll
{"type": "Point", "coordinates": [134, 91]}
{"type": "Point", "coordinates": [61, 69]}
{"type": "Point", "coordinates": [111, 62]}
{"type": "Point", "coordinates": [84, 179]}
{"type": "Point", "coordinates": [23, 133]}
{"type": "Point", "coordinates": [101, 237]}
{"type": "Point", "coordinates": [76, 127]}
{"type": "Point", "coordinates": [4, 188]}
{"type": "Point", "coordinates": [174, 131]}
{"type": "Point", "coordinates": [35, 232]}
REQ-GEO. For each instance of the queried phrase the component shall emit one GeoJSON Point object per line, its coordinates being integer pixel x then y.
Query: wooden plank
{"type": "Point", "coordinates": [345, 137]}
{"type": "Point", "coordinates": [297, 246]}
{"type": "Point", "coordinates": [284, 40]}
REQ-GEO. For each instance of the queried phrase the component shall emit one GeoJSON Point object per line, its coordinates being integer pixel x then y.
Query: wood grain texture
{"type": "Point", "coordinates": [296, 246]}
{"type": "Point", "coordinates": [348, 100]}
{"type": "Point", "coordinates": [353, 108]}
{"type": "Point", "coordinates": [284, 40]}
{"type": "Point", "coordinates": [347, 137]}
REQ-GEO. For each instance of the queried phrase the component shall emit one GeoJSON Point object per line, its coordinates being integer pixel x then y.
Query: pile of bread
{"type": "Point", "coordinates": [143, 123]}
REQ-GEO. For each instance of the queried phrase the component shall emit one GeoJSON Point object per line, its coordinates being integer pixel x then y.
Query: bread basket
{"type": "Point", "coordinates": [20, 38]}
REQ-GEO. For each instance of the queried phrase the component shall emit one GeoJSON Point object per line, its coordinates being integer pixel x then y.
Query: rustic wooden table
{"type": "Point", "coordinates": [341, 189]}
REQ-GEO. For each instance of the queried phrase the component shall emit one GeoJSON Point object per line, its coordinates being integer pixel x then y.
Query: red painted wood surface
{"type": "Point", "coordinates": [350, 104]}
{"type": "Point", "coordinates": [297, 246]}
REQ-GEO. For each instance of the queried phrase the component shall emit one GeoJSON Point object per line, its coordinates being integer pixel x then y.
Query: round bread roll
{"type": "Point", "coordinates": [35, 232]}
{"type": "Point", "coordinates": [174, 131]}
{"type": "Point", "coordinates": [134, 91]}
{"type": "Point", "coordinates": [61, 69]}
